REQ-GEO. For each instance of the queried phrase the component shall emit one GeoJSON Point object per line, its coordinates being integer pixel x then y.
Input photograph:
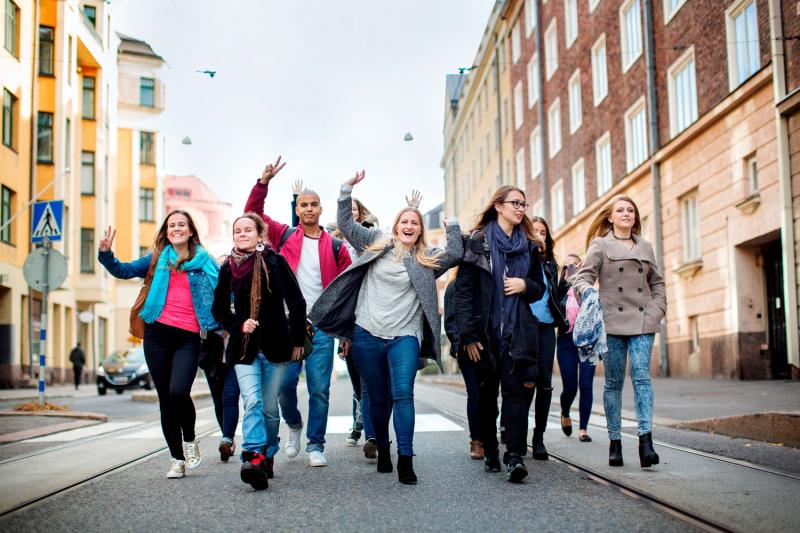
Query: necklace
{"type": "Point", "coordinates": [621, 238]}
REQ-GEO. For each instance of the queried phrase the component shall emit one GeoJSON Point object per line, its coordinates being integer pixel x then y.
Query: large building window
{"type": "Point", "coordinates": [147, 92]}
{"type": "Point", "coordinates": [742, 34]}
{"type": "Point", "coordinates": [530, 18]}
{"type": "Point", "coordinates": [91, 14]}
{"type": "Point", "coordinates": [12, 28]}
{"type": "Point", "coordinates": [44, 138]}
{"type": "Point", "coordinates": [599, 71]}
{"type": "Point", "coordinates": [550, 50]}
{"type": "Point", "coordinates": [630, 24]}
{"type": "Point", "coordinates": [578, 187]}
{"type": "Point", "coordinates": [602, 152]}
{"type": "Point", "coordinates": [575, 104]}
{"type": "Point", "coordinates": [682, 93]}
{"type": "Point", "coordinates": [9, 118]}
{"type": "Point", "coordinates": [593, 4]}
{"type": "Point", "coordinates": [88, 97]}
{"type": "Point", "coordinates": [558, 215]}
{"type": "Point", "coordinates": [147, 148]}
{"type": "Point", "coordinates": [516, 47]}
{"type": "Point", "coordinates": [67, 145]}
{"type": "Point", "coordinates": [671, 7]}
{"type": "Point", "coordinates": [690, 225]}
{"type": "Point", "coordinates": [46, 50]}
{"type": "Point", "coordinates": [87, 173]}
{"type": "Point", "coordinates": [146, 211]}
{"type": "Point", "coordinates": [87, 250]}
{"type": "Point", "coordinates": [533, 80]}
{"type": "Point", "coordinates": [635, 135]}
{"type": "Point", "coordinates": [521, 168]}
{"type": "Point", "coordinates": [570, 21]}
{"type": "Point", "coordinates": [6, 212]}
{"type": "Point", "coordinates": [536, 152]}
{"type": "Point", "coordinates": [518, 117]}
{"type": "Point", "coordinates": [554, 128]}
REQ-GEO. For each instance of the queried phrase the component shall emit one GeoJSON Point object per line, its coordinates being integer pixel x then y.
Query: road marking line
{"type": "Point", "coordinates": [82, 433]}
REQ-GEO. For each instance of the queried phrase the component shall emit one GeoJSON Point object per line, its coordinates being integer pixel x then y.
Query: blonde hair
{"type": "Point", "coordinates": [600, 226]}
{"type": "Point", "coordinates": [419, 247]}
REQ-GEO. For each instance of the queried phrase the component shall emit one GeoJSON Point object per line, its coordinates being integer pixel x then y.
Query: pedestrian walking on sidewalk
{"type": "Point", "coordinates": [316, 259]}
{"type": "Point", "coordinates": [180, 277]}
{"type": "Point", "coordinates": [78, 359]}
{"type": "Point", "coordinates": [575, 373]}
{"type": "Point", "coordinates": [386, 304]}
{"type": "Point", "coordinates": [263, 339]}
{"type": "Point", "coordinates": [500, 276]}
{"type": "Point", "coordinates": [634, 303]}
{"type": "Point", "coordinates": [550, 317]}
{"type": "Point", "coordinates": [224, 387]}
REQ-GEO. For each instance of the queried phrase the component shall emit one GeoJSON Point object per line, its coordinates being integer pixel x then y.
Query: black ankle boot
{"type": "Point", "coordinates": [405, 469]}
{"type": "Point", "coordinates": [384, 459]}
{"type": "Point", "coordinates": [615, 453]}
{"type": "Point", "coordinates": [647, 455]}
{"type": "Point", "coordinates": [539, 451]}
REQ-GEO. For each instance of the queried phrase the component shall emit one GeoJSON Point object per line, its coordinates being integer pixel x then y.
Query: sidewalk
{"type": "Point", "coordinates": [50, 392]}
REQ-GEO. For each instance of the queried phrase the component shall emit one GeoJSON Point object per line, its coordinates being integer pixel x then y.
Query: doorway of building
{"type": "Point", "coordinates": [776, 320]}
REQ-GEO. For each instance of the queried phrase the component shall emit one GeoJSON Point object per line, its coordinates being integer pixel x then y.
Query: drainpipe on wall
{"type": "Point", "coordinates": [499, 107]}
{"type": "Point", "coordinates": [655, 167]}
{"type": "Point", "coordinates": [785, 180]}
{"type": "Point", "coordinates": [542, 130]}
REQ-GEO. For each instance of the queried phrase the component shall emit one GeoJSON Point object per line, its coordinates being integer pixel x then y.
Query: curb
{"type": "Point", "coordinates": [17, 436]}
{"type": "Point", "coordinates": [152, 396]}
{"type": "Point", "coordinates": [81, 415]}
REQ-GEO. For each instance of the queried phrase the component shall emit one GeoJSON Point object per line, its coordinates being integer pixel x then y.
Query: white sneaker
{"type": "Point", "coordinates": [192, 452]}
{"type": "Point", "coordinates": [177, 470]}
{"type": "Point", "coordinates": [317, 458]}
{"type": "Point", "coordinates": [293, 442]}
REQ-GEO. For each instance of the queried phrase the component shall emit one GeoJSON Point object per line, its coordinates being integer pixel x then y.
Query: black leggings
{"type": "Point", "coordinates": [172, 354]}
{"type": "Point", "coordinates": [544, 386]}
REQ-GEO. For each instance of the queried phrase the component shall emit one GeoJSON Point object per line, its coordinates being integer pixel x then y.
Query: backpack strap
{"type": "Point", "coordinates": [337, 243]}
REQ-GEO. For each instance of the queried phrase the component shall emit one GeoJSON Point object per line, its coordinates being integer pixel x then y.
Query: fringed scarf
{"type": "Point", "coordinates": [242, 265]}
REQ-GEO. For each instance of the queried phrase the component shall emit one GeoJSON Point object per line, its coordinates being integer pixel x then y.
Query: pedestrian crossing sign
{"type": "Point", "coordinates": [47, 220]}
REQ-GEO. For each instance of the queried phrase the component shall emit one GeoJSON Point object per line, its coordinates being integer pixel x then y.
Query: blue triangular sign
{"type": "Point", "coordinates": [47, 220]}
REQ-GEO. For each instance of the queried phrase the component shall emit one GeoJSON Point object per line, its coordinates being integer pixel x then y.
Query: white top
{"type": "Point", "coordinates": [309, 276]}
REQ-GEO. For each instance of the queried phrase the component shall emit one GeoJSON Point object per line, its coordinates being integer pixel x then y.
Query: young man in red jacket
{"type": "Point", "coordinates": [316, 259]}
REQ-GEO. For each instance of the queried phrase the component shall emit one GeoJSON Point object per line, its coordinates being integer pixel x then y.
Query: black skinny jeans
{"type": "Point", "coordinates": [544, 382]}
{"type": "Point", "coordinates": [509, 380]}
{"type": "Point", "coordinates": [172, 354]}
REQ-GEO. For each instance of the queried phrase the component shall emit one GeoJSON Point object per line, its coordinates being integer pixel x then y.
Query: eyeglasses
{"type": "Point", "coordinates": [516, 204]}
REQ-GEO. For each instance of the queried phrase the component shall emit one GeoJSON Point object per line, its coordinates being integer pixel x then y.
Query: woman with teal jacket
{"type": "Point", "coordinates": [176, 313]}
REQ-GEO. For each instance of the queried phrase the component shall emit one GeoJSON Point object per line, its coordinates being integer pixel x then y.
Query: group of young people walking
{"type": "Point", "coordinates": [284, 294]}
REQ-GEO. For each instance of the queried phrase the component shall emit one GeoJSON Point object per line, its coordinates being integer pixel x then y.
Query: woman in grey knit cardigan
{"type": "Point", "coordinates": [386, 304]}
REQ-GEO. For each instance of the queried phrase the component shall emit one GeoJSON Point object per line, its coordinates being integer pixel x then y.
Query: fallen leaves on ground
{"type": "Point", "coordinates": [35, 407]}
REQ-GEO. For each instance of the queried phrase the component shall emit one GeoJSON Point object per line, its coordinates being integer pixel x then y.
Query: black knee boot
{"type": "Point", "coordinates": [539, 451]}
{"type": "Point", "coordinates": [405, 469]}
{"type": "Point", "coordinates": [647, 455]}
{"type": "Point", "coordinates": [541, 412]}
{"type": "Point", "coordinates": [615, 453]}
{"type": "Point", "coordinates": [384, 459]}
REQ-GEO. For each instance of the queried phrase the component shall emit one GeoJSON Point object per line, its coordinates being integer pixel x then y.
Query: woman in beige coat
{"type": "Point", "coordinates": [631, 291]}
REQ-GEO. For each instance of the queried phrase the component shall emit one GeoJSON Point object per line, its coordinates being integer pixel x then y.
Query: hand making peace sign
{"type": "Point", "coordinates": [107, 240]}
{"type": "Point", "coordinates": [271, 170]}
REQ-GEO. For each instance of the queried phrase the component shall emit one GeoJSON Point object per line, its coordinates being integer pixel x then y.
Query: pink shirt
{"type": "Point", "coordinates": [178, 310]}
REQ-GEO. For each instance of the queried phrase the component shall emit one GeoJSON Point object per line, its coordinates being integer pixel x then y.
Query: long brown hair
{"type": "Point", "coordinates": [549, 242]}
{"type": "Point", "coordinates": [600, 226]}
{"type": "Point", "coordinates": [161, 241]}
{"type": "Point", "coordinates": [259, 266]}
{"type": "Point", "coordinates": [489, 212]}
{"type": "Point", "coordinates": [419, 247]}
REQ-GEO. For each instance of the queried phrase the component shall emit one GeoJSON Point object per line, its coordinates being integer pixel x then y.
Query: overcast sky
{"type": "Point", "coordinates": [332, 86]}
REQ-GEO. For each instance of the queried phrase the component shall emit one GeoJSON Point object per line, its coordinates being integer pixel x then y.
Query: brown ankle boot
{"type": "Point", "coordinates": [476, 449]}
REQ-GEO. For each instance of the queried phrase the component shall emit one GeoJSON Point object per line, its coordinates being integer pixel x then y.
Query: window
{"type": "Point", "coordinates": [12, 28]}
{"type": "Point", "coordinates": [570, 21]}
{"type": "Point", "coordinates": [146, 205]}
{"type": "Point", "coordinates": [599, 71]}
{"type": "Point", "coordinates": [497, 133]}
{"type": "Point", "coordinates": [557, 204]}
{"type": "Point", "coordinates": [9, 117]}
{"type": "Point", "coordinates": [690, 222]}
{"type": "Point", "coordinates": [69, 60]}
{"type": "Point", "coordinates": [593, 4]}
{"type": "Point", "coordinates": [505, 115]}
{"type": "Point", "coordinates": [518, 118]}
{"type": "Point", "coordinates": [44, 138]}
{"type": "Point", "coordinates": [538, 208]}
{"type": "Point", "coordinates": [575, 106]}
{"type": "Point", "coordinates": [486, 94]}
{"type": "Point", "coordinates": [88, 98]}
{"type": "Point", "coordinates": [46, 50]}
{"type": "Point", "coordinates": [87, 250]}
{"type": "Point", "coordinates": [494, 79]}
{"type": "Point", "coordinates": [91, 14]}
{"type": "Point", "coordinates": [742, 34]}
{"type": "Point", "coordinates": [144, 250]}
{"type": "Point", "coordinates": [602, 151]}
{"type": "Point", "coordinates": [533, 80]}
{"type": "Point", "coordinates": [694, 331]}
{"type": "Point", "coordinates": [6, 212]}
{"type": "Point", "coordinates": [87, 173]}
{"type": "Point", "coordinates": [682, 93]}
{"type": "Point", "coordinates": [146, 148]}
{"type": "Point", "coordinates": [630, 25]}
{"type": "Point", "coordinates": [635, 135]}
{"type": "Point", "coordinates": [536, 152]}
{"type": "Point", "coordinates": [671, 7]}
{"type": "Point", "coordinates": [68, 145]}
{"type": "Point", "coordinates": [578, 187]}
{"type": "Point", "coordinates": [147, 92]}
{"type": "Point", "coordinates": [516, 48]}
{"type": "Point", "coordinates": [530, 18]}
{"type": "Point", "coordinates": [550, 50]}
{"type": "Point", "coordinates": [521, 168]}
{"type": "Point", "coordinates": [554, 127]}
{"type": "Point", "coordinates": [751, 168]}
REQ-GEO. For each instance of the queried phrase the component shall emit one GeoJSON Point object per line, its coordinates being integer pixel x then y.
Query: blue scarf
{"type": "Point", "coordinates": [157, 294]}
{"type": "Point", "coordinates": [510, 258]}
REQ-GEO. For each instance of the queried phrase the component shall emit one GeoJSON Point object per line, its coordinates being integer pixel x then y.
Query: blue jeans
{"type": "Point", "coordinates": [639, 347]}
{"type": "Point", "coordinates": [225, 394]}
{"type": "Point", "coordinates": [319, 366]}
{"type": "Point", "coordinates": [471, 383]}
{"type": "Point", "coordinates": [570, 365]}
{"type": "Point", "coordinates": [361, 418]}
{"type": "Point", "coordinates": [389, 367]}
{"type": "Point", "coordinates": [259, 383]}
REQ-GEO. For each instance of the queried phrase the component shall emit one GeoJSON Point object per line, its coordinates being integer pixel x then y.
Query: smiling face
{"type": "Point", "coordinates": [408, 228]}
{"type": "Point", "coordinates": [178, 230]}
{"type": "Point", "coordinates": [623, 216]}
{"type": "Point", "coordinates": [506, 210]}
{"type": "Point", "coordinates": [308, 208]}
{"type": "Point", "coordinates": [245, 234]}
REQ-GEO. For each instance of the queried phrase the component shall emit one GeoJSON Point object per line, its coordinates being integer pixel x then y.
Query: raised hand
{"type": "Point", "coordinates": [107, 240]}
{"type": "Point", "coordinates": [416, 198]}
{"type": "Point", "coordinates": [271, 170]}
{"type": "Point", "coordinates": [297, 187]}
{"type": "Point", "coordinates": [355, 179]}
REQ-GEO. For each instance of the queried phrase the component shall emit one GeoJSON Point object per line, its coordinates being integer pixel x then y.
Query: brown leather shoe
{"type": "Point", "coordinates": [226, 450]}
{"type": "Point", "coordinates": [476, 449]}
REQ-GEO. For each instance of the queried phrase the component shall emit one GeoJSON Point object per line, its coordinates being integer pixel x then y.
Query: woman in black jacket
{"type": "Point", "coordinates": [262, 338]}
{"type": "Point", "coordinates": [499, 277]}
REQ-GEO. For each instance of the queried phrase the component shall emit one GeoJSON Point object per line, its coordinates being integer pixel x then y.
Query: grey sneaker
{"type": "Point", "coordinates": [192, 452]}
{"type": "Point", "coordinates": [177, 469]}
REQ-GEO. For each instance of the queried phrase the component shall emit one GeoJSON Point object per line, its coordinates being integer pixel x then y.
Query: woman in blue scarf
{"type": "Point", "coordinates": [500, 276]}
{"type": "Point", "coordinates": [176, 312]}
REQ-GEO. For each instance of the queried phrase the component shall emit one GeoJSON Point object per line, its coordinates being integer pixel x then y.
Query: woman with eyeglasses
{"type": "Point", "coordinates": [500, 276]}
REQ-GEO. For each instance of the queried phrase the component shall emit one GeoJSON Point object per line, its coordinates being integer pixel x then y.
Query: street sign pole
{"type": "Point", "coordinates": [43, 331]}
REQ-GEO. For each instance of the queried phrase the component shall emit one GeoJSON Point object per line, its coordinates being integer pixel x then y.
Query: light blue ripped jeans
{"type": "Point", "coordinates": [640, 348]}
